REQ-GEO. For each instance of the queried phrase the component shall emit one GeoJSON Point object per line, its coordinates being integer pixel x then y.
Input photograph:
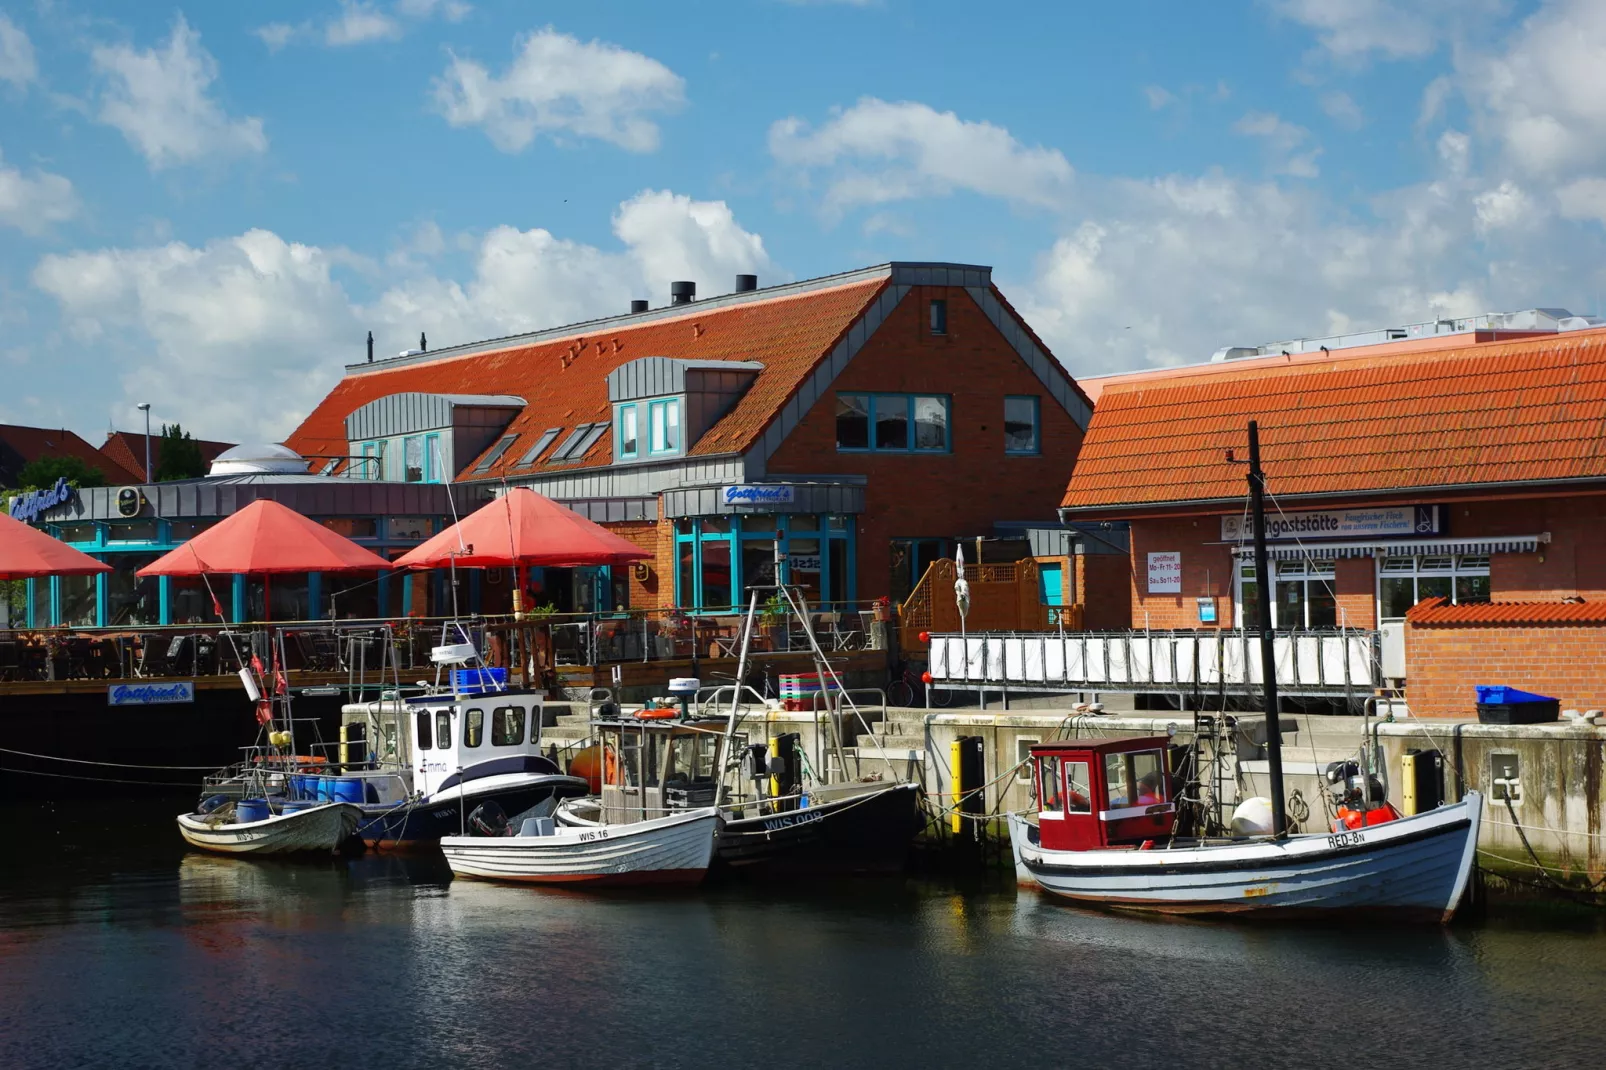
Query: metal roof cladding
{"type": "Point", "coordinates": [1493, 413]}
{"type": "Point", "coordinates": [1437, 611]}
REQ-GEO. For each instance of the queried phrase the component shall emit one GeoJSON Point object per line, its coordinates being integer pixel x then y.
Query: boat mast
{"type": "Point", "coordinates": [1268, 650]}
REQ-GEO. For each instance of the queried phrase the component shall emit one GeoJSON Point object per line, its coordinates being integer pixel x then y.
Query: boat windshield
{"type": "Point", "coordinates": [424, 741]}
{"type": "Point", "coordinates": [507, 726]}
{"type": "Point", "coordinates": [1134, 778]}
{"type": "Point", "coordinates": [1048, 785]}
{"type": "Point", "coordinates": [692, 755]}
{"type": "Point", "coordinates": [474, 727]}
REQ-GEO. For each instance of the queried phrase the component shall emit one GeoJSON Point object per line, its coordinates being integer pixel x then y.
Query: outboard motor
{"type": "Point", "coordinates": [488, 819]}
{"type": "Point", "coordinates": [1349, 786]}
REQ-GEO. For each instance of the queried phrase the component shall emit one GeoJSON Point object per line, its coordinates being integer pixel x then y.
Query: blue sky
{"type": "Point", "coordinates": [208, 206]}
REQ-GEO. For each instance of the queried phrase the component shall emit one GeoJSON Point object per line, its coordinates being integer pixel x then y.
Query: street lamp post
{"type": "Point", "coordinates": [146, 409]}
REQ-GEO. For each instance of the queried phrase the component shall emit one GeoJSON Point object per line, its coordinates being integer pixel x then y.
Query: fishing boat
{"type": "Point", "coordinates": [1106, 818]}
{"type": "Point", "coordinates": [253, 827]}
{"type": "Point", "coordinates": [674, 849]}
{"type": "Point", "coordinates": [775, 820]}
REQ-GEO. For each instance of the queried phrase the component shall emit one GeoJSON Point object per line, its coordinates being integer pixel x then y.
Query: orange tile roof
{"type": "Point", "coordinates": [1436, 610]}
{"type": "Point", "coordinates": [19, 445]}
{"type": "Point", "coordinates": [563, 380]}
{"type": "Point", "coordinates": [127, 449]}
{"type": "Point", "coordinates": [1494, 413]}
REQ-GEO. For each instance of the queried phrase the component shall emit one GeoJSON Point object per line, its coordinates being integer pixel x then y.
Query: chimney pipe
{"type": "Point", "coordinates": [746, 283]}
{"type": "Point", "coordinates": [423, 343]}
{"type": "Point", "coordinates": [638, 306]}
{"type": "Point", "coordinates": [682, 293]}
{"type": "Point", "coordinates": [370, 347]}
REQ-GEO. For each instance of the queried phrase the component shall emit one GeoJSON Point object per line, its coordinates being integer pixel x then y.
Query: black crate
{"type": "Point", "coordinates": [1519, 712]}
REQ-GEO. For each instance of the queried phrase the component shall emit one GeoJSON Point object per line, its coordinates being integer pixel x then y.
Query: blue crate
{"type": "Point", "coordinates": [1501, 695]}
{"type": "Point", "coordinates": [479, 681]}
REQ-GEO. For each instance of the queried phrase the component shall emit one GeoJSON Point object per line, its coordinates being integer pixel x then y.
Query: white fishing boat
{"type": "Point", "coordinates": [294, 829]}
{"type": "Point", "coordinates": [1105, 829]}
{"type": "Point", "coordinates": [665, 850]}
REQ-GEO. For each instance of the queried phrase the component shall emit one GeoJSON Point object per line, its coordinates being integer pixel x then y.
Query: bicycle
{"type": "Point", "coordinates": [909, 685]}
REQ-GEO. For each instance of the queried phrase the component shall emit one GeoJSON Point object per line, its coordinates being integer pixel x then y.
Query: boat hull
{"type": "Point", "coordinates": [422, 823]}
{"type": "Point", "coordinates": [1415, 869]}
{"type": "Point", "coordinates": [321, 828]}
{"type": "Point", "coordinates": [862, 834]}
{"type": "Point", "coordinates": [665, 850]}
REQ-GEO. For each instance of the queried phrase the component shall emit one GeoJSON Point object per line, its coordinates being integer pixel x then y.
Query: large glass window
{"type": "Point", "coordinates": [78, 601]}
{"type": "Point", "coordinates": [189, 601]}
{"type": "Point", "coordinates": [883, 422]}
{"type": "Point", "coordinates": [1302, 595]}
{"type": "Point", "coordinates": [1020, 425]}
{"type": "Point", "coordinates": [716, 572]}
{"type": "Point", "coordinates": [818, 558]}
{"type": "Point", "coordinates": [1405, 581]}
{"type": "Point", "coordinates": [131, 531]}
{"type": "Point", "coordinates": [434, 465]}
{"type": "Point", "coordinates": [131, 599]}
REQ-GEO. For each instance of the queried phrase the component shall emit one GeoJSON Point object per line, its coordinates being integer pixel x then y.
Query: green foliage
{"type": "Point", "coordinates": [42, 472]}
{"type": "Point", "coordinates": [773, 611]}
{"type": "Point", "coordinates": [180, 456]}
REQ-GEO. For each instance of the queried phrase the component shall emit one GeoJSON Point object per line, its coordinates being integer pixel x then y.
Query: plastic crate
{"type": "Point", "coordinates": [1501, 695]}
{"type": "Point", "coordinates": [1540, 712]}
{"type": "Point", "coordinates": [479, 681]}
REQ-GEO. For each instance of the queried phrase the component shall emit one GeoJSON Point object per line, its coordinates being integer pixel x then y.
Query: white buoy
{"type": "Point", "coordinates": [1252, 817]}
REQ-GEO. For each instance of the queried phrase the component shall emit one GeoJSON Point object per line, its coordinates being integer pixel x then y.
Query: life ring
{"type": "Point", "coordinates": [657, 715]}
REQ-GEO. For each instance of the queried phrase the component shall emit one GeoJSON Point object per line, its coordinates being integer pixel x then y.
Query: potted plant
{"type": "Point", "coordinates": [772, 618]}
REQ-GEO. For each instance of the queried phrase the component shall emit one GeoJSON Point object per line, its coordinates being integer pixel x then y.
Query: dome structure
{"type": "Point", "coordinates": [258, 458]}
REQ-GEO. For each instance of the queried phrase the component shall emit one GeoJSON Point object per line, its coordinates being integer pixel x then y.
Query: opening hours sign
{"type": "Point", "coordinates": [1165, 572]}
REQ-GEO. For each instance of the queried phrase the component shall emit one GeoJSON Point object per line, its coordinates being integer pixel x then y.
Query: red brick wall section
{"type": "Point", "coordinates": [1445, 662]}
{"type": "Point", "coordinates": [959, 494]}
{"type": "Point", "coordinates": [1206, 570]}
{"type": "Point", "coordinates": [658, 590]}
{"type": "Point", "coordinates": [1104, 587]}
{"type": "Point", "coordinates": [1354, 586]}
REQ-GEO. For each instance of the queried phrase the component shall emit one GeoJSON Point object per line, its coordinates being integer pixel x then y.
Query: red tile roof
{"type": "Point", "coordinates": [19, 445]}
{"type": "Point", "coordinates": [127, 450]}
{"type": "Point", "coordinates": [564, 379]}
{"type": "Point", "coordinates": [1478, 414]}
{"type": "Point", "coordinates": [1433, 611]}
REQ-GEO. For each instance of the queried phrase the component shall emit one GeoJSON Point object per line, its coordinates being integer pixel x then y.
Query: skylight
{"type": "Point", "coordinates": [540, 444]}
{"type": "Point", "coordinates": [495, 454]}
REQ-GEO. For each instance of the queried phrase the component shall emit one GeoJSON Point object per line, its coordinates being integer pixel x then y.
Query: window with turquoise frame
{"type": "Point", "coordinates": [413, 459]}
{"type": "Point", "coordinates": [629, 444]}
{"type": "Point", "coordinates": [1021, 427]}
{"type": "Point", "coordinates": [434, 464]}
{"type": "Point", "coordinates": [719, 557]}
{"type": "Point", "coordinates": [892, 423]}
{"type": "Point", "coordinates": [663, 419]}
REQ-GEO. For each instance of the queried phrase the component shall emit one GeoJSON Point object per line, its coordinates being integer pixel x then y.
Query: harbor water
{"type": "Point", "coordinates": [119, 949]}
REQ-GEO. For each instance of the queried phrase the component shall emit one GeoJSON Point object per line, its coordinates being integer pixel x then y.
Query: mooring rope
{"type": "Point", "coordinates": [99, 779]}
{"type": "Point", "coordinates": [120, 765]}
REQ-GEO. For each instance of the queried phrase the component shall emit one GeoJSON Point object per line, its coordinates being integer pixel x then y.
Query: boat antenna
{"type": "Point", "coordinates": [1268, 650]}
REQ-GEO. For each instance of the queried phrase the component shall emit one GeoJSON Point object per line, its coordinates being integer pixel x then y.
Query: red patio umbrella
{"type": "Point", "coordinates": [523, 528]}
{"type": "Point", "coordinates": [27, 552]}
{"type": "Point", "coordinates": [262, 539]}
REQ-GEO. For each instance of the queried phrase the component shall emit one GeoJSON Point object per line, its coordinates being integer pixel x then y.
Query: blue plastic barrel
{"type": "Point", "coordinates": [251, 810]}
{"type": "Point", "coordinates": [347, 789]}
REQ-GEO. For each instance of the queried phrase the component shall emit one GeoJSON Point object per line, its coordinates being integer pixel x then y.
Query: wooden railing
{"type": "Point", "coordinates": [1003, 598]}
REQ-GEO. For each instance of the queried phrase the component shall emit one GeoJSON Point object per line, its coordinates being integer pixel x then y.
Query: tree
{"type": "Point", "coordinates": [42, 472]}
{"type": "Point", "coordinates": [180, 456]}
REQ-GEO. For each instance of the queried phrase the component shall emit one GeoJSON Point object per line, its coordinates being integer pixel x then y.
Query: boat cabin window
{"type": "Point", "coordinates": [629, 761]}
{"type": "Point", "coordinates": [1078, 795]}
{"type": "Point", "coordinates": [1134, 778]}
{"type": "Point", "coordinates": [443, 727]}
{"type": "Point", "coordinates": [507, 726]}
{"type": "Point", "coordinates": [424, 742]}
{"type": "Point", "coordinates": [691, 756]}
{"type": "Point", "coordinates": [1048, 786]}
{"type": "Point", "coordinates": [473, 728]}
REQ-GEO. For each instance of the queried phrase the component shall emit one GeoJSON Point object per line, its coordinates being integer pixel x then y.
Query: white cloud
{"type": "Point", "coordinates": [360, 23]}
{"type": "Point", "coordinates": [1342, 109]}
{"type": "Point", "coordinates": [275, 34]}
{"type": "Point", "coordinates": [32, 203]}
{"type": "Point", "coordinates": [880, 152]}
{"type": "Point", "coordinates": [1506, 205]}
{"type": "Point", "coordinates": [559, 85]}
{"type": "Point", "coordinates": [242, 336]}
{"type": "Point", "coordinates": [160, 100]}
{"type": "Point", "coordinates": [17, 64]}
{"type": "Point", "coordinates": [450, 10]}
{"type": "Point", "coordinates": [1583, 199]}
{"type": "Point", "coordinates": [1397, 29]}
{"type": "Point", "coordinates": [1158, 96]}
{"type": "Point", "coordinates": [1282, 139]}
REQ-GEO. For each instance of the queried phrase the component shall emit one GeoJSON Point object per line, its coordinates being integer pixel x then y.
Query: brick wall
{"type": "Point", "coordinates": [1445, 662]}
{"type": "Point", "coordinates": [659, 540]}
{"type": "Point", "coordinates": [958, 494]}
{"type": "Point", "coordinates": [1206, 571]}
{"type": "Point", "coordinates": [1104, 587]}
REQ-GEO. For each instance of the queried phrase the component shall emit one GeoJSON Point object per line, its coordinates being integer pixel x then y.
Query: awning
{"type": "Point", "coordinates": [1503, 544]}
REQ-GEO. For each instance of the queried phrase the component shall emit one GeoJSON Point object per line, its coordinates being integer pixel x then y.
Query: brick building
{"type": "Point", "coordinates": [1464, 466]}
{"type": "Point", "coordinates": [863, 421]}
{"type": "Point", "coordinates": [127, 450]}
{"type": "Point", "coordinates": [21, 445]}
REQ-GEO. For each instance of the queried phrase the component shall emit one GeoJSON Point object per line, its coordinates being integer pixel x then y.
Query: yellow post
{"type": "Point", "coordinates": [775, 752]}
{"type": "Point", "coordinates": [345, 744]}
{"type": "Point", "coordinates": [1408, 785]}
{"type": "Point", "coordinates": [955, 764]}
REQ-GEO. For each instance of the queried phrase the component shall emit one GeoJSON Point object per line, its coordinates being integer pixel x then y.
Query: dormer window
{"type": "Point", "coordinates": [664, 420]}
{"type": "Point", "coordinates": [628, 446]}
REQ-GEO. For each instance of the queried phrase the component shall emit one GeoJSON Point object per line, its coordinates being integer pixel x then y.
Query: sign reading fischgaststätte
{"type": "Point", "coordinates": [1392, 522]}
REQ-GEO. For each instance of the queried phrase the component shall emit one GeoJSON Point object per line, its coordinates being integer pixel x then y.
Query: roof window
{"type": "Point", "coordinates": [579, 440]}
{"type": "Point", "coordinates": [495, 454]}
{"type": "Point", "coordinates": [540, 445]}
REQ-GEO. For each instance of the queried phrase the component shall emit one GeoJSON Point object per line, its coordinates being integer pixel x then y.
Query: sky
{"type": "Point", "coordinates": [207, 207]}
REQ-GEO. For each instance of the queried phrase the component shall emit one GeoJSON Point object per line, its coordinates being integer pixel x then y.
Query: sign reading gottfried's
{"type": "Point", "coordinates": [1393, 522]}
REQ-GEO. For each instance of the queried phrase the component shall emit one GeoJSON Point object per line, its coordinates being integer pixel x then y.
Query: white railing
{"type": "Point", "coordinates": [1226, 662]}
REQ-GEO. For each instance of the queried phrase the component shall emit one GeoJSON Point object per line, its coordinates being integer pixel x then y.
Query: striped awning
{"type": "Point", "coordinates": [1504, 544]}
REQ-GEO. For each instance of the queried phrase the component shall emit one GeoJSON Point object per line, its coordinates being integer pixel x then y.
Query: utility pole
{"type": "Point", "coordinates": [145, 407]}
